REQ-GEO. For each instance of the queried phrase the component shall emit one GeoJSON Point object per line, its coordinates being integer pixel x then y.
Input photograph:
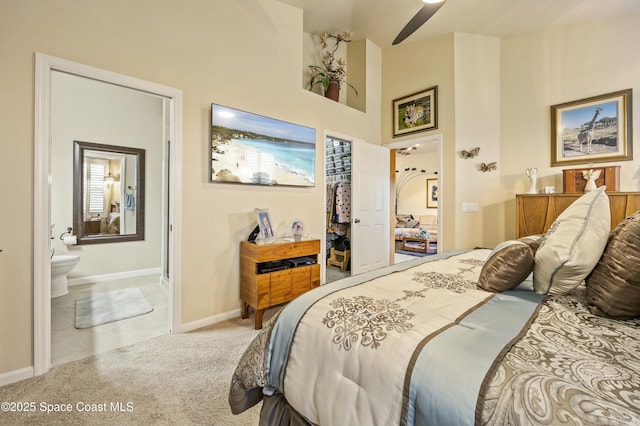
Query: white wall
{"type": "Point", "coordinates": [477, 123]}
{"type": "Point", "coordinates": [245, 54]}
{"type": "Point", "coordinates": [312, 55]}
{"type": "Point", "coordinates": [559, 65]}
{"type": "Point", "coordinates": [189, 48]}
{"type": "Point", "coordinates": [413, 197]}
{"type": "Point", "coordinates": [419, 71]}
{"type": "Point", "coordinates": [466, 69]}
{"type": "Point", "coordinates": [497, 94]}
{"type": "Point", "coordinates": [357, 76]}
{"type": "Point", "coordinates": [91, 111]}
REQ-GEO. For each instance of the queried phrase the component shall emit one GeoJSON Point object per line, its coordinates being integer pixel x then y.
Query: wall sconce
{"type": "Point", "coordinates": [109, 180]}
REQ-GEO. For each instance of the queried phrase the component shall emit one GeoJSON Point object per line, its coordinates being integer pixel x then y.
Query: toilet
{"type": "Point", "coordinates": [61, 265]}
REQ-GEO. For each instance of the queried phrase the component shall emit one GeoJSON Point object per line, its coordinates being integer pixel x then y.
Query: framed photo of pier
{"type": "Point", "coordinates": [253, 149]}
{"type": "Point", "coordinates": [592, 130]}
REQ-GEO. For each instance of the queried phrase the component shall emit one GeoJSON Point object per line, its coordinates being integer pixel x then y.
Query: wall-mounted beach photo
{"type": "Point", "coordinates": [253, 149]}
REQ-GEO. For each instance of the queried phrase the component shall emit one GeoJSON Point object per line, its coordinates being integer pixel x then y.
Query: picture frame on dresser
{"type": "Point", "coordinates": [592, 130]}
{"type": "Point", "coordinates": [267, 232]}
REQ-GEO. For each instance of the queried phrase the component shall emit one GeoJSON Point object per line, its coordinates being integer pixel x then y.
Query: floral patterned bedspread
{"type": "Point", "coordinates": [568, 367]}
{"type": "Point", "coordinates": [571, 367]}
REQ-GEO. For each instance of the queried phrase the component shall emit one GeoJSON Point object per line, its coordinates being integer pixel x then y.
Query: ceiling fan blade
{"type": "Point", "coordinates": [423, 15]}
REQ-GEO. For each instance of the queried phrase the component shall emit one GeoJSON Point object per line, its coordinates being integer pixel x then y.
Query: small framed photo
{"type": "Point", "coordinates": [592, 130]}
{"type": "Point", "coordinates": [549, 189]}
{"type": "Point", "coordinates": [432, 193]}
{"type": "Point", "coordinates": [267, 232]}
{"type": "Point", "coordinates": [416, 113]}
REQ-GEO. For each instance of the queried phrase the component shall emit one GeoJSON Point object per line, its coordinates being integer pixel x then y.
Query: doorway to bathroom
{"type": "Point", "coordinates": [143, 265]}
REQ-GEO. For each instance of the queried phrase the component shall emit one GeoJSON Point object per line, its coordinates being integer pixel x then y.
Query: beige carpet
{"type": "Point", "coordinates": [168, 380]}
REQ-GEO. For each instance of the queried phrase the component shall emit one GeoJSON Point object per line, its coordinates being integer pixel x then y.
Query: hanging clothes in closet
{"type": "Point", "coordinates": [339, 207]}
{"type": "Point", "coordinates": [342, 211]}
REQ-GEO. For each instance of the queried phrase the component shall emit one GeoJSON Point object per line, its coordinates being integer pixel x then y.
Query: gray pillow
{"type": "Point", "coordinates": [613, 287]}
{"type": "Point", "coordinates": [507, 266]}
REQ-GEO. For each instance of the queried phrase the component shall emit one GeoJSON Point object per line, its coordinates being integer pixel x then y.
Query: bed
{"type": "Point", "coordinates": [110, 224]}
{"type": "Point", "coordinates": [541, 330]}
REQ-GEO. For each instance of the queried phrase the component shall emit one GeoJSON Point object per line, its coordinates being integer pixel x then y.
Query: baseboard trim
{"type": "Point", "coordinates": [16, 375]}
{"type": "Point", "coordinates": [204, 322]}
{"type": "Point", "coordinates": [114, 276]}
{"type": "Point", "coordinates": [164, 281]}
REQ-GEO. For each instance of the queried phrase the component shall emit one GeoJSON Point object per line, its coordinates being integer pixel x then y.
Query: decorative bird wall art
{"type": "Point", "coordinates": [488, 167]}
{"type": "Point", "coordinates": [469, 154]}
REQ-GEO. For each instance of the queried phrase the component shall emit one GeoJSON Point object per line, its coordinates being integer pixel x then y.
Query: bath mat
{"type": "Point", "coordinates": [102, 308]}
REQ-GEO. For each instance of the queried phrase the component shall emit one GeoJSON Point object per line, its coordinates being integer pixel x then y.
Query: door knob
{"type": "Point", "coordinates": [356, 220]}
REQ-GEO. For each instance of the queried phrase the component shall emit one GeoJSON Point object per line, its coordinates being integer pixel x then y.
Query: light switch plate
{"type": "Point", "coordinates": [469, 207]}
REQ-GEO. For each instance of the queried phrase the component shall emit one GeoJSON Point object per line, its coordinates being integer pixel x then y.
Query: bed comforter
{"type": "Point", "coordinates": [419, 344]}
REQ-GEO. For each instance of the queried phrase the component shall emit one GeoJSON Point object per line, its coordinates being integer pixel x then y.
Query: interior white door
{"type": "Point", "coordinates": [369, 207]}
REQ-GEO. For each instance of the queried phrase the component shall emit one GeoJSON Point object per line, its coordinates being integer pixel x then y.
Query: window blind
{"type": "Point", "coordinates": [94, 197]}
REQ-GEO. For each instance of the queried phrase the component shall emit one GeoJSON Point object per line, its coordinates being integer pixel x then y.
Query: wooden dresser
{"type": "Point", "coordinates": [269, 276]}
{"type": "Point", "coordinates": [536, 212]}
{"type": "Point", "coordinates": [92, 226]}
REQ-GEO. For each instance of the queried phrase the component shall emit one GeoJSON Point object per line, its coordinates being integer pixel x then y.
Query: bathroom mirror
{"type": "Point", "coordinates": [108, 193]}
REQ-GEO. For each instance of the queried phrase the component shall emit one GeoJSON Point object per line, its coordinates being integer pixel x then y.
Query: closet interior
{"type": "Point", "coordinates": [338, 178]}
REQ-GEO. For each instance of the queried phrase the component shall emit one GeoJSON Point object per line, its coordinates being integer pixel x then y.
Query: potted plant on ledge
{"type": "Point", "coordinates": [332, 73]}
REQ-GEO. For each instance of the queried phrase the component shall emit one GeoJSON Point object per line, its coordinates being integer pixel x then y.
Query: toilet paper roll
{"type": "Point", "coordinates": [70, 240]}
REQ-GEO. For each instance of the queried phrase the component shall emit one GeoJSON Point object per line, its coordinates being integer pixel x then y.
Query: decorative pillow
{"type": "Point", "coordinates": [412, 223]}
{"type": "Point", "coordinates": [507, 266]}
{"type": "Point", "coordinates": [402, 219]}
{"type": "Point", "coordinates": [573, 244]}
{"type": "Point", "coordinates": [613, 287]}
{"type": "Point", "coordinates": [533, 241]}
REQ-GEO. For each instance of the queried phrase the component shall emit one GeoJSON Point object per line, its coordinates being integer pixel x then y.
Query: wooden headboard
{"type": "Point", "coordinates": [536, 212]}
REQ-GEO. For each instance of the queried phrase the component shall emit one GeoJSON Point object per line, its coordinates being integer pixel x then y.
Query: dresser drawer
{"type": "Point", "coordinates": [280, 287]}
{"type": "Point", "coordinates": [300, 280]}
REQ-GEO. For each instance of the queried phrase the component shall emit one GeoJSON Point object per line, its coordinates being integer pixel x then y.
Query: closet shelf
{"type": "Point", "coordinates": [339, 163]}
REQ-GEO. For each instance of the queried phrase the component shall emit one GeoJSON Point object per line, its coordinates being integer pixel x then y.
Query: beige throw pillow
{"type": "Point", "coordinates": [506, 267]}
{"type": "Point", "coordinates": [573, 244]}
{"type": "Point", "coordinates": [613, 287]}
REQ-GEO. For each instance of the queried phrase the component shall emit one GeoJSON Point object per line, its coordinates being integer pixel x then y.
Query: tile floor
{"type": "Point", "coordinates": [69, 344]}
